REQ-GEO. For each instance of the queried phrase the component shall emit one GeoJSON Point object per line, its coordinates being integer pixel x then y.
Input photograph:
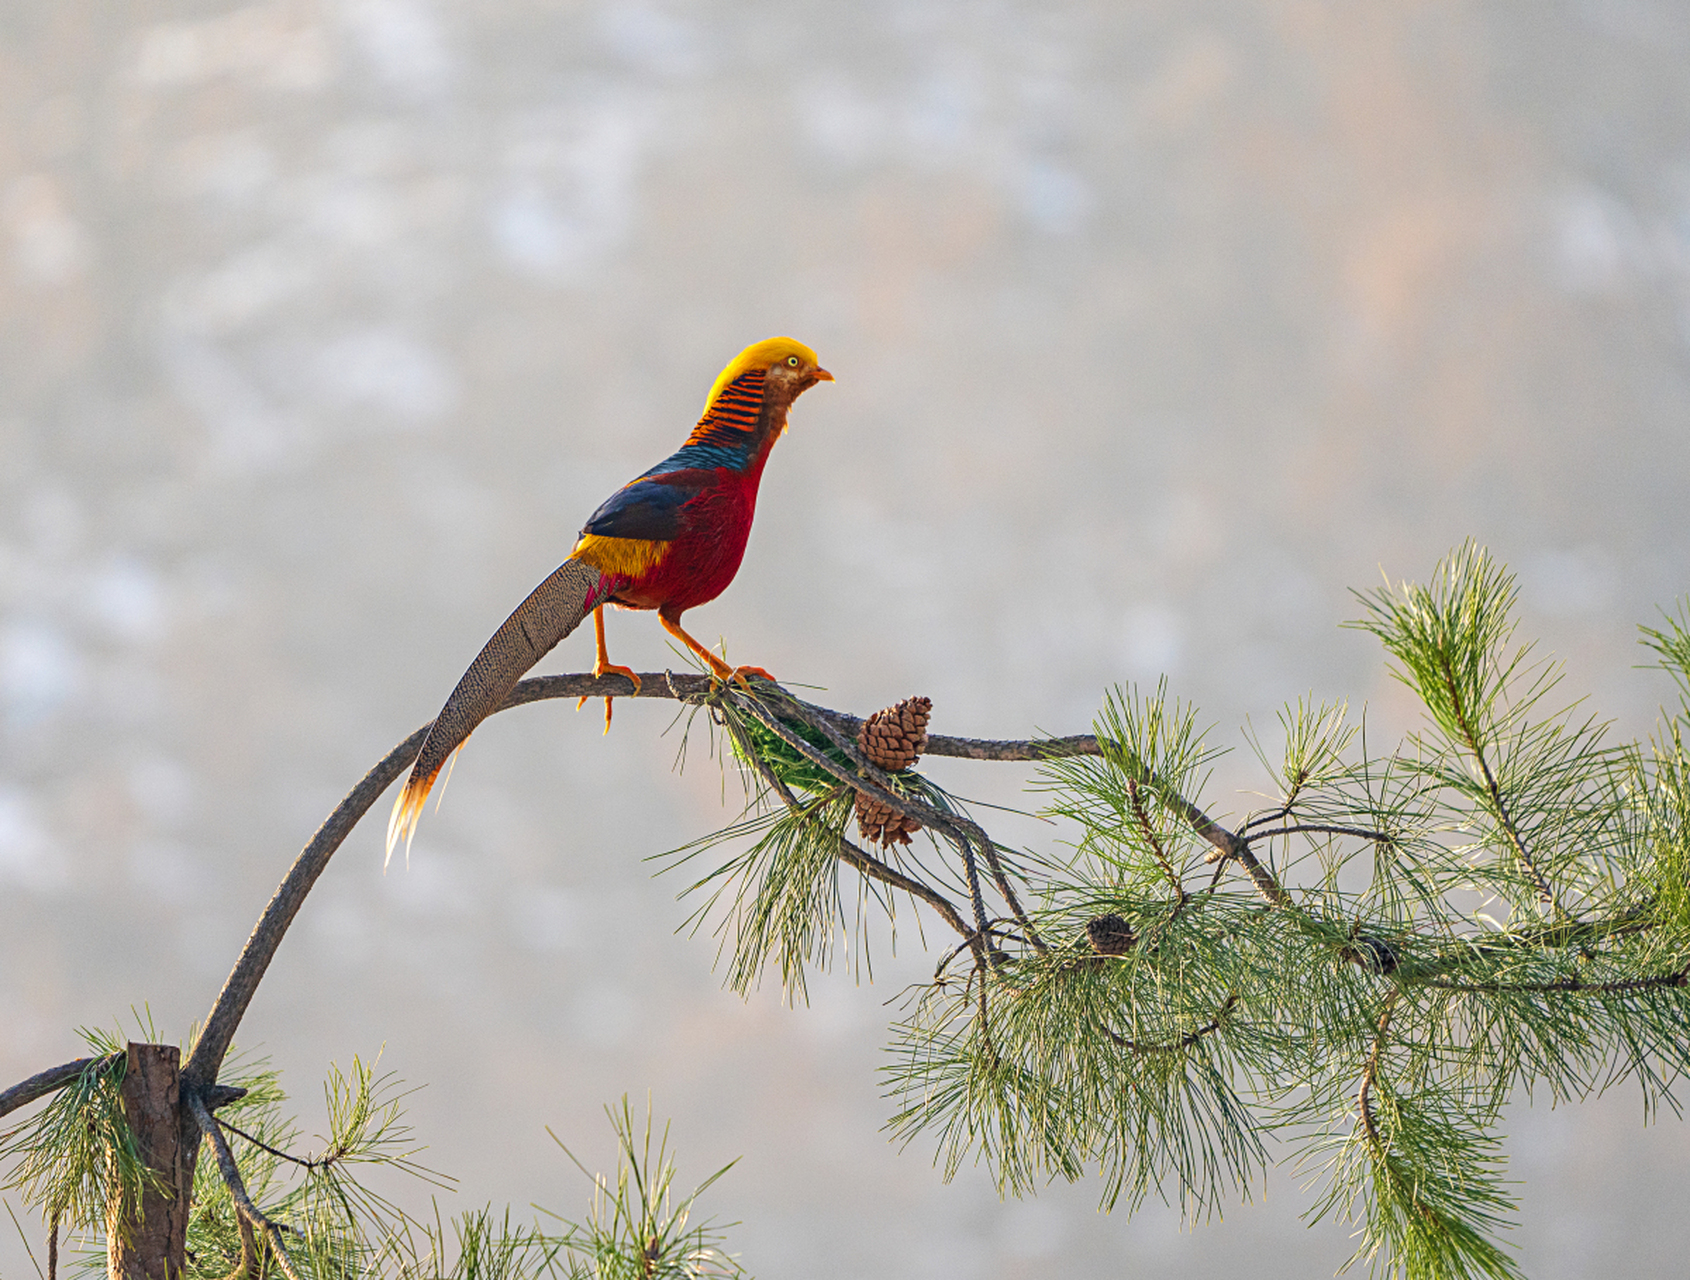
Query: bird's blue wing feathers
{"type": "Point", "coordinates": [647, 508]}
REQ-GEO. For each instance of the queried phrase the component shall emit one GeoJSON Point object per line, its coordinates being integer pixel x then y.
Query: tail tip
{"type": "Point", "coordinates": [407, 810]}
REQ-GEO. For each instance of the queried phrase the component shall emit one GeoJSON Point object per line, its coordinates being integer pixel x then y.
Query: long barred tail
{"type": "Point", "coordinates": [553, 609]}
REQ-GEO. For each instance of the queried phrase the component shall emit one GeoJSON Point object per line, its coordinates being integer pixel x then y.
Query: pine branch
{"type": "Point", "coordinates": [210, 1127]}
{"type": "Point", "coordinates": [865, 862]}
{"type": "Point", "coordinates": [238, 990]}
{"type": "Point", "coordinates": [1677, 978]}
{"type": "Point", "coordinates": [325, 1162]}
{"type": "Point", "coordinates": [1142, 818]}
{"type": "Point", "coordinates": [51, 1080]}
{"type": "Point", "coordinates": [1184, 1042]}
{"type": "Point", "coordinates": [1384, 1009]}
{"type": "Point", "coordinates": [1370, 1076]}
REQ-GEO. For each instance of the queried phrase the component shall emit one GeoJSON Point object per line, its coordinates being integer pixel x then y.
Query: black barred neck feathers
{"type": "Point", "coordinates": [735, 413]}
{"type": "Point", "coordinates": [748, 404]}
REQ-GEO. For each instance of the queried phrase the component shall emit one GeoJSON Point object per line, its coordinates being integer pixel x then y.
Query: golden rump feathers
{"type": "Point", "coordinates": [760, 355]}
{"type": "Point", "coordinates": [620, 557]}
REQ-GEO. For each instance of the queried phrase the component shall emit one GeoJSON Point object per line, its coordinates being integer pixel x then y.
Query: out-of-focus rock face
{"type": "Point", "coordinates": [323, 325]}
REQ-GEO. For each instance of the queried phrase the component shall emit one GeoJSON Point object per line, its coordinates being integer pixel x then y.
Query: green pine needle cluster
{"type": "Point", "coordinates": [1353, 977]}
{"type": "Point", "coordinates": [74, 1156]}
{"type": "Point", "coordinates": [334, 1224]}
{"type": "Point", "coordinates": [636, 1228]}
{"type": "Point", "coordinates": [781, 898]}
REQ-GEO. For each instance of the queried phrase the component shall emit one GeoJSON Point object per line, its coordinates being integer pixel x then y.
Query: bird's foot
{"type": "Point", "coordinates": [737, 675]}
{"type": "Point", "coordinates": [609, 668]}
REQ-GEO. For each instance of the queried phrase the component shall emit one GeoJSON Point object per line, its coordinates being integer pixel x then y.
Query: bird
{"type": "Point", "coordinates": [669, 540]}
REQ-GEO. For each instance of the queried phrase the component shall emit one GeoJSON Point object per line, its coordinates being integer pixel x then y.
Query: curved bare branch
{"type": "Point", "coordinates": [51, 1080]}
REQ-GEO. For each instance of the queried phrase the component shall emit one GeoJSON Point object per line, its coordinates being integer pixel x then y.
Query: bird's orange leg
{"type": "Point", "coordinates": [603, 666]}
{"type": "Point", "coordinates": [720, 669]}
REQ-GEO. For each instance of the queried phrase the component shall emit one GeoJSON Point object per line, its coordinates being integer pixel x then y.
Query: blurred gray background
{"type": "Point", "coordinates": [1157, 326]}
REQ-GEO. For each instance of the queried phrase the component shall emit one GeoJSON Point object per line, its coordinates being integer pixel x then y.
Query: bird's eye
{"type": "Point", "coordinates": [793, 361]}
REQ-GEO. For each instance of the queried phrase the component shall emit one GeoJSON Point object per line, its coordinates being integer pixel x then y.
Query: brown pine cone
{"type": "Point", "coordinates": [881, 824]}
{"type": "Point", "coordinates": [1111, 935]}
{"type": "Point", "coordinates": [893, 739]}
{"type": "Point", "coordinates": [896, 737]}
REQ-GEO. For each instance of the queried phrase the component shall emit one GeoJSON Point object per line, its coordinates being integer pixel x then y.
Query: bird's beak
{"type": "Point", "coordinates": [822, 375]}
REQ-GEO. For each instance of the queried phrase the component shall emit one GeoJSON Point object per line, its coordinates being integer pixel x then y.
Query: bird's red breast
{"type": "Point", "coordinates": [675, 536]}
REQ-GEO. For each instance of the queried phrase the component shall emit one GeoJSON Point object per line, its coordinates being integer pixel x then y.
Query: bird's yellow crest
{"type": "Point", "coordinates": [760, 355]}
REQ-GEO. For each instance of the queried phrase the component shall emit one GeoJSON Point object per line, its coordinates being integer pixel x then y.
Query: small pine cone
{"type": "Point", "coordinates": [1111, 935]}
{"type": "Point", "coordinates": [894, 739]}
{"type": "Point", "coordinates": [881, 824]}
{"type": "Point", "coordinates": [1372, 954]}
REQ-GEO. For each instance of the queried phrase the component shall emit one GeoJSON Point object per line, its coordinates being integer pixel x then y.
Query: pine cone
{"type": "Point", "coordinates": [1372, 954]}
{"type": "Point", "coordinates": [1111, 935]}
{"type": "Point", "coordinates": [893, 739]}
{"type": "Point", "coordinates": [896, 737]}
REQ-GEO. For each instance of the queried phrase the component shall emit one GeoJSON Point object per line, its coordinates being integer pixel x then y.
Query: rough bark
{"type": "Point", "coordinates": [148, 1241]}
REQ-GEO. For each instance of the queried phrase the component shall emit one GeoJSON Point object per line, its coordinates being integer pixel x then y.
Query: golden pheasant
{"type": "Point", "coordinates": [667, 540]}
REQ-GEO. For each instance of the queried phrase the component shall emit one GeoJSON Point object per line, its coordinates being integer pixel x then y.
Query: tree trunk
{"type": "Point", "coordinates": [149, 1244]}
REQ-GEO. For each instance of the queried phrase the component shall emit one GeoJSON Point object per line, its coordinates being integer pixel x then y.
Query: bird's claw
{"type": "Point", "coordinates": [738, 675]}
{"type": "Point", "coordinates": [608, 668]}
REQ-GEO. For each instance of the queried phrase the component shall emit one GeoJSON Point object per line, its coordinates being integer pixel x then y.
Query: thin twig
{"type": "Point", "coordinates": [1371, 1073]}
{"type": "Point", "coordinates": [874, 868]}
{"type": "Point", "coordinates": [1184, 1042]}
{"type": "Point", "coordinates": [1149, 832]}
{"type": "Point", "coordinates": [324, 1163]}
{"type": "Point", "coordinates": [992, 931]}
{"type": "Point", "coordinates": [1545, 894]}
{"type": "Point", "coordinates": [249, 1251]}
{"type": "Point", "coordinates": [53, 1249]}
{"type": "Point", "coordinates": [1678, 978]}
{"type": "Point", "coordinates": [1320, 829]}
{"type": "Point", "coordinates": [1001, 878]}
{"type": "Point", "coordinates": [1215, 880]}
{"type": "Point", "coordinates": [231, 1172]}
{"type": "Point", "coordinates": [1284, 810]}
